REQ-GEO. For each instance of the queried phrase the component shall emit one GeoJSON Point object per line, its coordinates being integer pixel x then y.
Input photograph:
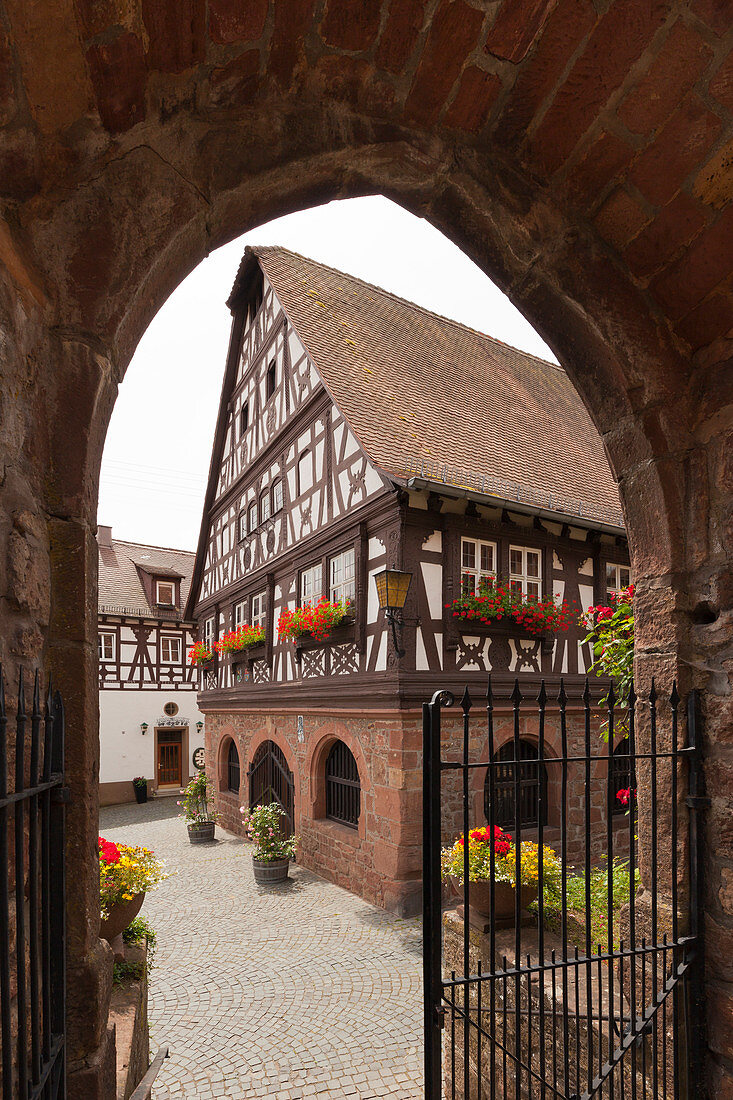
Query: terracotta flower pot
{"type": "Point", "coordinates": [267, 871]}
{"type": "Point", "coordinates": [120, 916]}
{"type": "Point", "coordinates": [479, 899]}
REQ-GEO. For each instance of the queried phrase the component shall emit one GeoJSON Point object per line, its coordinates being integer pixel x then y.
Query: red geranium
{"type": "Point", "coordinates": [108, 851]}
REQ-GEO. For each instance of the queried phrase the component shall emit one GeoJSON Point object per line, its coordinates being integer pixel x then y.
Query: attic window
{"type": "Point", "coordinates": [271, 380]}
{"type": "Point", "coordinates": [165, 593]}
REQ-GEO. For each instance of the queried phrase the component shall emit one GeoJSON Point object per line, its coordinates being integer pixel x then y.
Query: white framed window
{"type": "Point", "coordinates": [209, 633]}
{"type": "Point", "coordinates": [107, 644]}
{"type": "Point", "coordinates": [258, 610]}
{"type": "Point", "coordinates": [618, 577]}
{"type": "Point", "coordinates": [240, 614]}
{"type": "Point", "coordinates": [170, 649]}
{"type": "Point", "coordinates": [277, 496]}
{"type": "Point", "coordinates": [310, 585]}
{"type": "Point", "coordinates": [242, 525]}
{"type": "Point", "coordinates": [305, 473]}
{"type": "Point", "coordinates": [342, 577]}
{"type": "Point", "coordinates": [265, 506]}
{"type": "Point", "coordinates": [525, 570]}
{"type": "Point", "coordinates": [478, 563]}
{"type": "Point", "coordinates": [252, 517]}
{"type": "Point", "coordinates": [165, 592]}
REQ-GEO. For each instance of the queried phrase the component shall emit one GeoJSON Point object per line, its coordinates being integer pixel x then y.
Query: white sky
{"type": "Point", "coordinates": [158, 448]}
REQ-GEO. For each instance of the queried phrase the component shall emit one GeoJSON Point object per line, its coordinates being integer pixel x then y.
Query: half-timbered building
{"type": "Point", "coordinates": [149, 721]}
{"type": "Point", "coordinates": [359, 432]}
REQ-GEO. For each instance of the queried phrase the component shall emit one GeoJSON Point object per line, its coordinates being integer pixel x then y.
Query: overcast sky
{"type": "Point", "coordinates": [156, 458]}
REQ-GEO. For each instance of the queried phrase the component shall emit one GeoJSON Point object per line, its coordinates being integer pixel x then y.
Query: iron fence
{"type": "Point", "coordinates": [593, 989]}
{"type": "Point", "coordinates": [32, 898]}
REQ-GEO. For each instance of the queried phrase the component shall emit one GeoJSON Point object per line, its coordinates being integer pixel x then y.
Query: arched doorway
{"type": "Point", "coordinates": [271, 780]}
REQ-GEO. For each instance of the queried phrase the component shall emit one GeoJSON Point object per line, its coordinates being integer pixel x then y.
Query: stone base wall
{"type": "Point", "coordinates": [129, 1014]}
{"type": "Point", "coordinates": [382, 859]}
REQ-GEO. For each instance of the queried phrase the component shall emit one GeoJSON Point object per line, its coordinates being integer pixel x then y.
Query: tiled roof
{"type": "Point", "coordinates": [120, 585]}
{"type": "Point", "coordinates": [417, 387]}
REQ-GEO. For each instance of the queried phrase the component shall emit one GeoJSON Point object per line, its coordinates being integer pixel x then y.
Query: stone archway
{"type": "Point", "coordinates": [578, 155]}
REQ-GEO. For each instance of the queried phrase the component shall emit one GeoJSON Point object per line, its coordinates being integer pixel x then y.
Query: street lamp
{"type": "Point", "coordinates": [199, 727]}
{"type": "Point", "coordinates": [392, 588]}
{"type": "Point", "coordinates": [143, 728]}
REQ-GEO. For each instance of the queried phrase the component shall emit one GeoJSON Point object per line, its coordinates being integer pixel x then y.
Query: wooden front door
{"type": "Point", "coordinates": [169, 758]}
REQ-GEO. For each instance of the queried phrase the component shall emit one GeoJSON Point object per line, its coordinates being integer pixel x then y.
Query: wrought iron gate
{"type": "Point", "coordinates": [32, 899]}
{"type": "Point", "coordinates": [270, 780]}
{"type": "Point", "coordinates": [594, 990]}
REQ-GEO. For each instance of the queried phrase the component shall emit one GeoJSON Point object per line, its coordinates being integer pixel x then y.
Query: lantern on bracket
{"type": "Point", "coordinates": [392, 588]}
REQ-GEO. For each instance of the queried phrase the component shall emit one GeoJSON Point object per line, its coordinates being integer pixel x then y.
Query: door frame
{"type": "Point", "coordinates": [185, 762]}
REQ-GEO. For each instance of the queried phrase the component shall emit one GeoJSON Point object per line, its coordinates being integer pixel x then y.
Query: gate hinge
{"type": "Point", "coordinates": [61, 794]}
{"type": "Point", "coordinates": [698, 802]}
{"type": "Point", "coordinates": [440, 1014]}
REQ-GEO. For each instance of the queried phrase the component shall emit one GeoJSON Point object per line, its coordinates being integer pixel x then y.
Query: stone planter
{"type": "Point", "coordinates": [120, 916]}
{"type": "Point", "coordinates": [270, 871]}
{"type": "Point", "coordinates": [141, 793]}
{"type": "Point", "coordinates": [479, 903]}
{"type": "Point", "coordinates": [201, 832]}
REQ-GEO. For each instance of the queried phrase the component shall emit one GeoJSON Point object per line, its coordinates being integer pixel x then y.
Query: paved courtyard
{"type": "Point", "coordinates": [297, 990]}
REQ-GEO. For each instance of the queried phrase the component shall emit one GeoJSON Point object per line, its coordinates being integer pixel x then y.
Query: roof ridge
{"type": "Point", "coordinates": [150, 546]}
{"type": "Point", "coordinates": [269, 248]}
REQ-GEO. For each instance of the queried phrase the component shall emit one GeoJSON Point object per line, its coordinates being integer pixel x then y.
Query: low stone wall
{"type": "Point", "coordinates": [129, 1015]}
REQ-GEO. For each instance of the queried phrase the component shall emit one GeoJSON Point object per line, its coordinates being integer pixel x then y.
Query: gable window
{"type": "Point", "coordinates": [305, 473]}
{"type": "Point", "coordinates": [233, 777]}
{"type": "Point", "coordinates": [525, 571]}
{"type": "Point", "coordinates": [243, 419]}
{"type": "Point", "coordinates": [271, 381]}
{"type": "Point", "coordinates": [165, 593]}
{"type": "Point", "coordinates": [343, 577]}
{"type": "Point", "coordinates": [532, 784]}
{"type": "Point", "coordinates": [618, 577]}
{"type": "Point", "coordinates": [265, 506]}
{"type": "Point", "coordinates": [106, 642]}
{"type": "Point", "coordinates": [343, 789]}
{"type": "Point", "coordinates": [277, 496]}
{"type": "Point", "coordinates": [257, 618]}
{"type": "Point", "coordinates": [310, 585]}
{"type": "Point", "coordinates": [478, 563]}
{"type": "Point", "coordinates": [252, 516]}
{"type": "Point", "coordinates": [240, 614]}
{"type": "Point", "coordinates": [242, 525]}
{"type": "Point", "coordinates": [170, 649]}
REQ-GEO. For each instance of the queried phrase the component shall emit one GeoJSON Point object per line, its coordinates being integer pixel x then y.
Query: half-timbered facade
{"type": "Point", "coordinates": [149, 721]}
{"type": "Point", "coordinates": [358, 432]}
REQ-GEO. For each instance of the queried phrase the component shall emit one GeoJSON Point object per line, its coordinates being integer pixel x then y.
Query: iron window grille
{"type": "Point", "coordinates": [343, 789]}
{"type": "Point", "coordinates": [620, 775]}
{"type": "Point", "coordinates": [505, 787]}
{"type": "Point", "coordinates": [233, 776]}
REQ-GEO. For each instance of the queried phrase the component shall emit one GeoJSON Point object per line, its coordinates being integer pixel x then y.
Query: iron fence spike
{"type": "Point", "coordinates": [674, 698]}
{"type": "Point", "coordinates": [466, 700]}
{"type": "Point", "coordinates": [21, 693]}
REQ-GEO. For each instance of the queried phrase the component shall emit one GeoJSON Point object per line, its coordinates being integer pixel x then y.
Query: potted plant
{"type": "Point", "coordinates": [125, 875]}
{"type": "Point", "coordinates": [200, 655]}
{"type": "Point", "coordinates": [498, 603]}
{"type": "Point", "coordinates": [314, 620]}
{"type": "Point", "coordinates": [273, 851]}
{"type": "Point", "coordinates": [503, 884]}
{"type": "Point", "coordinates": [243, 638]}
{"type": "Point", "coordinates": [140, 787]}
{"type": "Point", "coordinates": [196, 813]}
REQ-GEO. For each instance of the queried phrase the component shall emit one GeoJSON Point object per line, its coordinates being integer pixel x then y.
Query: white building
{"type": "Point", "coordinates": [149, 723]}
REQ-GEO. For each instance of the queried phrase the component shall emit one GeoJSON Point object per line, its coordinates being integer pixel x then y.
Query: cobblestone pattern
{"type": "Point", "coordinates": [286, 992]}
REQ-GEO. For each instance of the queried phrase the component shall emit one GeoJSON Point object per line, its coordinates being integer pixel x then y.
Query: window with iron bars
{"type": "Point", "coordinates": [233, 769]}
{"type": "Point", "coordinates": [530, 778]}
{"type": "Point", "coordinates": [343, 789]}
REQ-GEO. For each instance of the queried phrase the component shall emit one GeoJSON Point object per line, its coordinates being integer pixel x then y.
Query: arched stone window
{"type": "Point", "coordinates": [233, 769]}
{"type": "Point", "coordinates": [532, 781]}
{"type": "Point", "coordinates": [343, 789]}
{"type": "Point", "coordinates": [271, 780]}
{"type": "Point", "coordinates": [620, 775]}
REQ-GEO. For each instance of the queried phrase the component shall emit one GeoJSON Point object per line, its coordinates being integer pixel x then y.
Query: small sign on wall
{"type": "Point", "coordinates": [301, 730]}
{"type": "Point", "coordinates": [199, 758]}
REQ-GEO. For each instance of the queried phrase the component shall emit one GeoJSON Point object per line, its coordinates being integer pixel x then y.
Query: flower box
{"type": "Point", "coordinates": [344, 632]}
{"type": "Point", "coordinates": [502, 628]}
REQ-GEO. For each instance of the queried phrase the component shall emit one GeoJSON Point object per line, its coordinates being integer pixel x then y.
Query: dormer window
{"type": "Point", "coordinates": [165, 593]}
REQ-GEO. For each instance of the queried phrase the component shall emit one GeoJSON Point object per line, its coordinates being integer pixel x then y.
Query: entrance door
{"type": "Point", "coordinates": [169, 758]}
{"type": "Point", "coordinates": [270, 780]}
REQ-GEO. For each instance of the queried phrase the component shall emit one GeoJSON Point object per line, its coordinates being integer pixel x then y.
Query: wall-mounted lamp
{"type": "Point", "coordinates": [143, 728]}
{"type": "Point", "coordinates": [392, 588]}
{"type": "Point", "coordinates": [199, 727]}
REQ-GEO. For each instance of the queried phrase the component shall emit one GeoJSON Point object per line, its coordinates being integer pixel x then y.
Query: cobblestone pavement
{"type": "Point", "coordinates": [290, 991]}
